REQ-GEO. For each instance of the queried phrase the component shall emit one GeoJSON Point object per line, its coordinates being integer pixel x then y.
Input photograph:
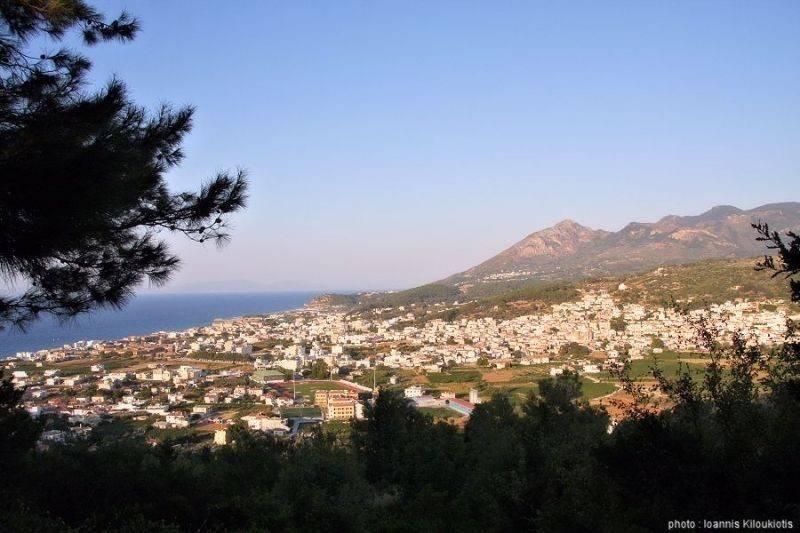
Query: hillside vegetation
{"type": "Point", "coordinates": [693, 285]}
{"type": "Point", "coordinates": [426, 294]}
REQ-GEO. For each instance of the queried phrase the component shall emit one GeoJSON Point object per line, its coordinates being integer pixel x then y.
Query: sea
{"type": "Point", "coordinates": [145, 314]}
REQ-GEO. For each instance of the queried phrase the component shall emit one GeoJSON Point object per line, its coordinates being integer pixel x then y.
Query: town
{"type": "Point", "coordinates": [285, 372]}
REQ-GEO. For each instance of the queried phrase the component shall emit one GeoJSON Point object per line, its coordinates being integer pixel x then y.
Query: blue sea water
{"type": "Point", "coordinates": [148, 313]}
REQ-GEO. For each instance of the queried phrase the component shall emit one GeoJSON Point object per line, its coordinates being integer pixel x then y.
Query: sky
{"type": "Point", "coordinates": [391, 144]}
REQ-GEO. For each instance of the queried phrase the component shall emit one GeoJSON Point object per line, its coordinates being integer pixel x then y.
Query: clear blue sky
{"type": "Point", "coordinates": [394, 143]}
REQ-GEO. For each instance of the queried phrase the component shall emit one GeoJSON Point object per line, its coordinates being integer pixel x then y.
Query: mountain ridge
{"type": "Point", "coordinates": [569, 250]}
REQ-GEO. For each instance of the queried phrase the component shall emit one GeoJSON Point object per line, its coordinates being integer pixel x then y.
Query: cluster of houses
{"type": "Point", "coordinates": [179, 391]}
{"type": "Point", "coordinates": [173, 397]}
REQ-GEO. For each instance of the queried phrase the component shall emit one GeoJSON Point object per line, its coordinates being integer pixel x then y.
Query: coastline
{"type": "Point", "coordinates": [147, 314]}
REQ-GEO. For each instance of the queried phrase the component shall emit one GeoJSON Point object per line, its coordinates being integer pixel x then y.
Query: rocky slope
{"type": "Point", "coordinates": [571, 251]}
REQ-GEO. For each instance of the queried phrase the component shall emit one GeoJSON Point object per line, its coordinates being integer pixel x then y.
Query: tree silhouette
{"type": "Point", "coordinates": [788, 254]}
{"type": "Point", "coordinates": [17, 431]}
{"type": "Point", "coordinates": [83, 197]}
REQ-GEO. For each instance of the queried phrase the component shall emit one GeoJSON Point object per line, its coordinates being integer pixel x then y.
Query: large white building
{"type": "Point", "coordinates": [414, 391]}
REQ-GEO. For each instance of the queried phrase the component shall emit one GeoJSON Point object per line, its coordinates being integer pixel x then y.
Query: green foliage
{"type": "Point", "coordinates": [657, 343]}
{"type": "Point", "coordinates": [461, 376]}
{"type": "Point", "coordinates": [359, 352]}
{"type": "Point", "coordinates": [449, 316]}
{"type": "Point", "coordinates": [695, 285]}
{"type": "Point", "coordinates": [540, 292]}
{"type": "Point", "coordinates": [431, 293]}
{"type": "Point", "coordinates": [590, 389]}
{"type": "Point", "coordinates": [336, 300]}
{"type": "Point", "coordinates": [787, 265]}
{"type": "Point", "coordinates": [17, 431]}
{"type": "Point", "coordinates": [618, 323]}
{"type": "Point", "coordinates": [498, 301]}
{"type": "Point", "coordinates": [723, 449]}
{"type": "Point", "coordinates": [573, 349]}
{"type": "Point", "coordinates": [439, 412]}
{"type": "Point", "coordinates": [298, 412]}
{"type": "Point", "coordinates": [319, 370]}
{"type": "Point", "coordinates": [80, 227]}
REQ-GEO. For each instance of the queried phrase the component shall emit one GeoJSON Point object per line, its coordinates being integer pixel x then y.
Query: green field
{"type": "Point", "coordinates": [439, 413]}
{"type": "Point", "coordinates": [295, 412]}
{"type": "Point", "coordinates": [517, 393]}
{"type": "Point", "coordinates": [519, 388]}
{"type": "Point", "coordinates": [668, 362]}
{"type": "Point", "coordinates": [174, 434]}
{"type": "Point", "coordinates": [593, 390]}
{"type": "Point", "coordinates": [464, 376]}
{"type": "Point", "coordinates": [307, 389]}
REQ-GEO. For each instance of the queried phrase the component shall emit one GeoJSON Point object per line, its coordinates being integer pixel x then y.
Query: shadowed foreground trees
{"type": "Point", "coordinates": [721, 445]}
{"type": "Point", "coordinates": [83, 196]}
{"type": "Point", "coordinates": [725, 449]}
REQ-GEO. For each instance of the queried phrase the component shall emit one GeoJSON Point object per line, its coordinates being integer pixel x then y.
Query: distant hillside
{"type": "Point", "coordinates": [327, 301]}
{"type": "Point", "coordinates": [570, 251]}
{"type": "Point", "coordinates": [426, 294]}
{"type": "Point", "coordinates": [692, 285]}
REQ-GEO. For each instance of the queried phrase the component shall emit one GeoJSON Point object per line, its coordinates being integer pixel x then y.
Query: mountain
{"type": "Point", "coordinates": [546, 264]}
{"type": "Point", "coordinates": [569, 250]}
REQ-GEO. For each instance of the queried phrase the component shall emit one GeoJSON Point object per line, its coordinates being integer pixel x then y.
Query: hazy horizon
{"type": "Point", "coordinates": [391, 146]}
{"type": "Point", "coordinates": [278, 286]}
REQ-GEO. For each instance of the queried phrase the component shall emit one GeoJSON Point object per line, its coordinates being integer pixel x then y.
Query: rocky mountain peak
{"type": "Point", "coordinates": [570, 250]}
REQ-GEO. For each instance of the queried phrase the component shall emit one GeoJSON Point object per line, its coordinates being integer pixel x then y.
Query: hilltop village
{"type": "Point", "coordinates": [281, 373]}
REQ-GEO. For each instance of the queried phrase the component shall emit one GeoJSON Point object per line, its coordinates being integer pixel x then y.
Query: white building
{"type": "Point", "coordinates": [473, 396]}
{"type": "Point", "coordinates": [414, 391]}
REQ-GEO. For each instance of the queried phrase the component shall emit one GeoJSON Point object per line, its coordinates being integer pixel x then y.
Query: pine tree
{"type": "Point", "coordinates": [83, 197]}
{"type": "Point", "coordinates": [788, 255]}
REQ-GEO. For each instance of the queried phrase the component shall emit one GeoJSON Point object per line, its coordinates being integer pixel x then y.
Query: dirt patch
{"type": "Point", "coordinates": [616, 404]}
{"type": "Point", "coordinates": [133, 367]}
{"type": "Point", "coordinates": [499, 376]}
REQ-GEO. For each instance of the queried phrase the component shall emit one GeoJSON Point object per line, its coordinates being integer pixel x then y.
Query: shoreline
{"type": "Point", "coordinates": [148, 314]}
